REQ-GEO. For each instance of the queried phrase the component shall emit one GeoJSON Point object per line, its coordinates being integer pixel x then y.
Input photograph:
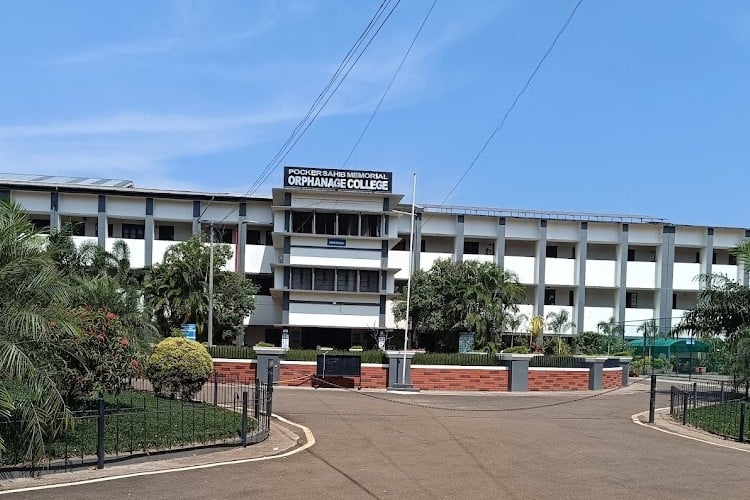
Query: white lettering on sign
{"type": "Point", "coordinates": [353, 180]}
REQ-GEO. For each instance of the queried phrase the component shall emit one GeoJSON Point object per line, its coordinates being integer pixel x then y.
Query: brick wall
{"type": "Point", "coordinates": [459, 379]}
{"type": "Point", "coordinates": [558, 380]}
{"type": "Point", "coordinates": [373, 377]}
{"type": "Point", "coordinates": [612, 379]}
{"type": "Point", "coordinates": [240, 369]}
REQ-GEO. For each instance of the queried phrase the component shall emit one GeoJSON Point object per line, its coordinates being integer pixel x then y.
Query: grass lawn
{"type": "Point", "coordinates": [722, 419]}
{"type": "Point", "coordinates": [139, 421]}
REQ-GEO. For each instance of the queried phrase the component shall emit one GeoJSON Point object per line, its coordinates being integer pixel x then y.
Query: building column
{"type": "Point", "coordinates": [242, 239]}
{"type": "Point", "coordinates": [458, 250]}
{"type": "Point", "coordinates": [54, 211]}
{"type": "Point", "coordinates": [540, 261]}
{"type": "Point", "coordinates": [707, 259]}
{"type": "Point", "coordinates": [385, 247]}
{"type": "Point", "coordinates": [417, 246]}
{"type": "Point", "coordinates": [621, 270]}
{"type": "Point", "coordinates": [148, 233]}
{"type": "Point", "coordinates": [665, 275]}
{"type": "Point", "coordinates": [101, 223]}
{"type": "Point", "coordinates": [500, 243]}
{"type": "Point", "coordinates": [196, 217]}
{"type": "Point", "coordinates": [581, 256]}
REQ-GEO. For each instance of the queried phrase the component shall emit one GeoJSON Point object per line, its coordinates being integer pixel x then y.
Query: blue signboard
{"type": "Point", "coordinates": [189, 331]}
{"type": "Point", "coordinates": [336, 242]}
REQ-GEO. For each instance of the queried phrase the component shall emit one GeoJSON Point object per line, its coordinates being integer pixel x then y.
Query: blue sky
{"type": "Point", "coordinates": [641, 108]}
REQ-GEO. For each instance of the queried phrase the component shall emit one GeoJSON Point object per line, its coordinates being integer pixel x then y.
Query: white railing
{"type": "Point", "coordinates": [641, 275]}
{"type": "Point", "coordinates": [686, 276]}
{"type": "Point", "coordinates": [522, 266]}
{"type": "Point", "coordinates": [559, 272]}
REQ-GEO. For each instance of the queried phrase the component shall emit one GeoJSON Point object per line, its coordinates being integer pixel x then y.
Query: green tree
{"type": "Point", "coordinates": [454, 297]}
{"type": "Point", "coordinates": [177, 290]}
{"type": "Point", "coordinates": [34, 326]}
{"type": "Point", "coordinates": [559, 322]}
{"type": "Point", "coordinates": [536, 330]}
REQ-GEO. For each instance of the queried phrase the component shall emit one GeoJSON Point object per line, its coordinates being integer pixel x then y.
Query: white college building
{"type": "Point", "coordinates": [330, 247]}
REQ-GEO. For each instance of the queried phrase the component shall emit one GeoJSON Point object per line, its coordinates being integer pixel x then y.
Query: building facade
{"type": "Point", "coordinates": [330, 248]}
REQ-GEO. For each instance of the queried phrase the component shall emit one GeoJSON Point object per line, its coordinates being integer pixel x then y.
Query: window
{"type": "Point", "coordinates": [301, 279]}
{"type": "Point", "coordinates": [549, 296]}
{"type": "Point", "coordinates": [224, 235]}
{"type": "Point", "coordinates": [269, 238]}
{"type": "Point", "coordinates": [674, 301]}
{"type": "Point", "coordinates": [40, 225]}
{"type": "Point", "coordinates": [732, 260]}
{"type": "Point", "coordinates": [713, 258]}
{"type": "Point", "coordinates": [471, 247]}
{"type": "Point", "coordinates": [631, 300]}
{"type": "Point", "coordinates": [368, 281]}
{"type": "Point", "coordinates": [253, 237]}
{"type": "Point", "coordinates": [302, 222]}
{"type": "Point", "coordinates": [571, 298]}
{"type": "Point", "coordinates": [325, 223]}
{"type": "Point", "coordinates": [346, 280]}
{"type": "Point", "coordinates": [110, 231]}
{"type": "Point", "coordinates": [552, 251]}
{"type": "Point", "coordinates": [133, 231]}
{"type": "Point", "coordinates": [631, 254]}
{"type": "Point", "coordinates": [264, 282]}
{"type": "Point", "coordinates": [325, 279]}
{"type": "Point", "coordinates": [370, 225]}
{"type": "Point", "coordinates": [348, 224]}
{"type": "Point", "coordinates": [166, 233]}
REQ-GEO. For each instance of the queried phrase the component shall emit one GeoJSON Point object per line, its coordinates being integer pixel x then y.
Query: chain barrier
{"type": "Point", "coordinates": [494, 410]}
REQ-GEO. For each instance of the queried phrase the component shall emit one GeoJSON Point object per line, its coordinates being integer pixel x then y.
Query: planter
{"type": "Point", "coordinates": [510, 356]}
{"type": "Point", "coordinates": [355, 349]}
{"type": "Point", "coordinates": [269, 350]}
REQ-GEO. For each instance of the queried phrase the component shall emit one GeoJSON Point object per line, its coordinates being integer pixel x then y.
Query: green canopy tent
{"type": "Point", "coordinates": [665, 348]}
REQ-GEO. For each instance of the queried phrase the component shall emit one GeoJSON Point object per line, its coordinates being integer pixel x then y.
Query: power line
{"type": "Point", "coordinates": [515, 101]}
{"type": "Point", "coordinates": [390, 84]}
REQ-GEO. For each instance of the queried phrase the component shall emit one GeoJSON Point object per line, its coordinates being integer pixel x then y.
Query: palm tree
{"type": "Point", "coordinates": [536, 329]}
{"type": "Point", "coordinates": [34, 299]}
{"type": "Point", "coordinates": [559, 322]}
{"type": "Point", "coordinates": [513, 323]}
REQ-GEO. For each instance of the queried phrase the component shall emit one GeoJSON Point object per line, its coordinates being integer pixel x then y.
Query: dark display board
{"type": "Point", "coordinates": [339, 365]}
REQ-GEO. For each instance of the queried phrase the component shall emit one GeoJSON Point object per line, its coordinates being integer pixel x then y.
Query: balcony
{"type": "Point", "coordinates": [523, 267]}
{"type": "Point", "coordinates": [557, 309]}
{"type": "Point", "coordinates": [160, 248]}
{"type": "Point", "coordinates": [137, 250]}
{"type": "Point", "coordinates": [592, 316]}
{"type": "Point", "coordinates": [560, 272]}
{"type": "Point", "coordinates": [479, 257]}
{"type": "Point", "coordinates": [427, 259]}
{"type": "Point", "coordinates": [79, 241]}
{"type": "Point", "coordinates": [601, 273]}
{"type": "Point", "coordinates": [634, 318]}
{"type": "Point", "coordinates": [399, 259]}
{"type": "Point", "coordinates": [641, 275]}
{"type": "Point", "coordinates": [258, 259]}
{"type": "Point", "coordinates": [730, 271]}
{"type": "Point", "coordinates": [686, 276]}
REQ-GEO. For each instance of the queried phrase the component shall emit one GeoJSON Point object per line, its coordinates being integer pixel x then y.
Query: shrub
{"type": "Point", "coordinates": [178, 366]}
{"type": "Point", "coordinates": [519, 349]}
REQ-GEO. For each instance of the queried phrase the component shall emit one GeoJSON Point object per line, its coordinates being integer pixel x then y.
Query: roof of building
{"type": "Point", "coordinates": [65, 181]}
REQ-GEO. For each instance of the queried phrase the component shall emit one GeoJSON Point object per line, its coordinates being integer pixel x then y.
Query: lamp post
{"type": "Point", "coordinates": [211, 288]}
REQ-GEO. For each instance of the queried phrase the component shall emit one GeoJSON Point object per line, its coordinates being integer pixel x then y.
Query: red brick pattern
{"type": "Point", "coordinates": [612, 379]}
{"type": "Point", "coordinates": [459, 379]}
{"type": "Point", "coordinates": [558, 380]}
{"type": "Point", "coordinates": [427, 379]}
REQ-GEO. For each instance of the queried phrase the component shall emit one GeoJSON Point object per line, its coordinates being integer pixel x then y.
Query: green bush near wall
{"type": "Point", "coordinates": [455, 359]}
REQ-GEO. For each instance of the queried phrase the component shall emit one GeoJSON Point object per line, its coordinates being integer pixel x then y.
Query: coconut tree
{"type": "Point", "coordinates": [559, 322]}
{"type": "Point", "coordinates": [536, 329]}
{"type": "Point", "coordinates": [513, 324]}
{"type": "Point", "coordinates": [34, 300]}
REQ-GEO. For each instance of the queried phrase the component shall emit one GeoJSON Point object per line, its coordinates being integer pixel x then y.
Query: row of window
{"type": "Point", "coordinates": [631, 298]}
{"type": "Point", "coordinates": [329, 280]}
{"type": "Point", "coordinates": [336, 223]}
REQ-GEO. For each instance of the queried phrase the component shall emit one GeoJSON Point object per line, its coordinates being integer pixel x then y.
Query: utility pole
{"type": "Point", "coordinates": [211, 288]}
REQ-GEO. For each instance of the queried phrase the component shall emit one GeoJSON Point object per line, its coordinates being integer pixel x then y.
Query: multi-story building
{"type": "Point", "coordinates": [330, 247]}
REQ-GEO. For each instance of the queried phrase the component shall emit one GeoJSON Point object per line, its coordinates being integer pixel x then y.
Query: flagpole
{"type": "Point", "coordinates": [408, 282]}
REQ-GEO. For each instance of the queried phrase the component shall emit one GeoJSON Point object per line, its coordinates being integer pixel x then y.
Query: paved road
{"type": "Point", "coordinates": [369, 448]}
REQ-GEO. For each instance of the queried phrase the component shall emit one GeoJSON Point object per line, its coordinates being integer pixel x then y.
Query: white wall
{"type": "Point", "coordinates": [603, 233]}
{"type": "Point", "coordinates": [160, 248]}
{"type": "Point", "coordinates": [439, 225]}
{"type": "Point", "coordinates": [563, 231]}
{"type": "Point", "coordinates": [690, 236]}
{"type": "Point", "coordinates": [267, 312]}
{"type": "Point", "coordinates": [645, 234]}
{"type": "Point", "coordinates": [33, 201]}
{"type": "Point", "coordinates": [427, 259]}
{"type": "Point", "coordinates": [731, 271]}
{"type": "Point", "coordinates": [399, 259]}
{"type": "Point", "coordinates": [137, 251]}
{"type": "Point", "coordinates": [479, 257]}
{"type": "Point", "coordinates": [601, 273]}
{"type": "Point", "coordinates": [78, 204]}
{"type": "Point", "coordinates": [592, 316]}
{"type": "Point", "coordinates": [641, 275]}
{"type": "Point", "coordinates": [523, 267]}
{"type": "Point", "coordinates": [173, 210]}
{"type": "Point", "coordinates": [258, 258]}
{"type": "Point", "coordinates": [484, 227]}
{"type": "Point", "coordinates": [521, 229]}
{"type": "Point", "coordinates": [335, 315]}
{"type": "Point", "coordinates": [126, 207]}
{"type": "Point", "coordinates": [685, 276]}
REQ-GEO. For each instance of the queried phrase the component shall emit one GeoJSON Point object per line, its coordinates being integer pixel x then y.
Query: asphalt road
{"type": "Point", "coordinates": [370, 448]}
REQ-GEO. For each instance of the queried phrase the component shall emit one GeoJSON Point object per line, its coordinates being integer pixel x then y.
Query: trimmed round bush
{"type": "Point", "coordinates": [178, 366]}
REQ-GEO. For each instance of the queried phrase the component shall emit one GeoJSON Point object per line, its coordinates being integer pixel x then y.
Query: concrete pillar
{"type": "Point", "coordinates": [625, 364]}
{"type": "Point", "coordinates": [665, 278]}
{"type": "Point", "coordinates": [518, 370]}
{"type": "Point", "coordinates": [396, 379]}
{"type": "Point", "coordinates": [596, 372]}
{"type": "Point", "coordinates": [268, 356]}
{"type": "Point", "coordinates": [581, 256]}
{"type": "Point", "coordinates": [540, 261]}
{"type": "Point", "coordinates": [148, 233]}
{"type": "Point", "coordinates": [417, 247]}
{"type": "Point", "coordinates": [500, 242]}
{"type": "Point", "coordinates": [102, 227]}
{"type": "Point", "coordinates": [459, 245]}
{"type": "Point", "coordinates": [622, 275]}
{"type": "Point", "coordinates": [707, 257]}
{"type": "Point", "coordinates": [196, 217]}
{"type": "Point", "coordinates": [54, 211]}
{"type": "Point", "coordinates": [242, 239]}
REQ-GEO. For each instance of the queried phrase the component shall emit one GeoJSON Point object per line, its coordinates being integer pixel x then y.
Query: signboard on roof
{"type": "Point", "coordinates": [347, 180]}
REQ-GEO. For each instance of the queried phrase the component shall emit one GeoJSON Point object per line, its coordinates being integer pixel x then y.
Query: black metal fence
{"type": "Point", "coordinates": [227, 411]}
{"type": "Point", "coordinates": [716, 407]}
